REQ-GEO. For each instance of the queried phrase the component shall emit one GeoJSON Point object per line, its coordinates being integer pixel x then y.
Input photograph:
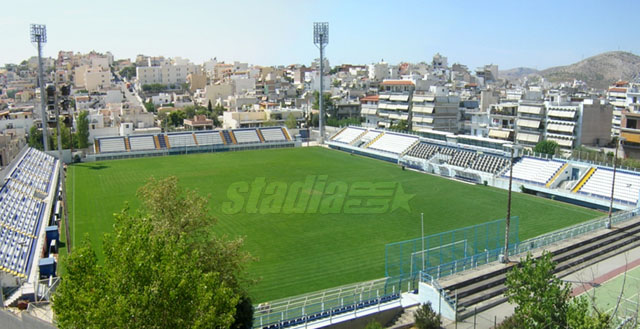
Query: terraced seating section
{"type": "Point", "coordinates": [180, 140]}
{"type": "Point", "coordinates": [142, 143]}
{"type": "Point", "coordinates": [22, 212]}
{"type": "Point", "coordinates": [423, 150]}
{"type": "Point", "coordinates": [535, 170]}
{"type": "Point", "coordinates": [463, 158]}
{"type": "Point", "coordinates": [209, 138]}
{"type": "Point", "coordinates": [245, 136]}
{"type": "Point", "coordinates": [490, 163]}
{"type": "Point", "coordinates": [273, 134]}
{"type": "Point", "coordinates": [393, 143]}
{"type": "Point", "coordinates": [348, 135]}
{"type": "Point", "coordinates": [627, 185]}
{"type": "Point", "coordinates": [112, 144]}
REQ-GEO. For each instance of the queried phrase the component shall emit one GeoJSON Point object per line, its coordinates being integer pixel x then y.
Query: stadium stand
{"type": "Point", "coordinates": [22, 210]}
{"type": "Point", "coordinates": [181, 139]}
{"type": "Point", "coordinates": [490, 163]}
{"type": "Point", "coordinates": [245, 136]}
{"type": "Point", "coordinates": [348, 135]}
{"type": "Point", "coordinates": [368, 138]}
{"type": "Point", "coordinates": [227, 137]}
{"type": "Point", "coordinates": [627, 185]}
{"type": "Point", "coordinates": [141, 143]}
{"type": "Point", "coordinates": [161, 141]}
{"type": "Point", "coordinates": [273, 134]}
{"type": "Point", "coordinates": [535, 170]}
{"type": "Point", "coordinates": [423, 150]}
{"type": "Point", "coordinates": [462, 158]}
{"type": "Point", "coordinates": [112, 144]}
{"type": "Point", "coordinates": [393, 143]}
{"type": "Point", "coordinates": [209, 138]}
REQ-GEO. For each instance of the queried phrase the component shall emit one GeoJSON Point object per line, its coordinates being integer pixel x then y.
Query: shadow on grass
{"type": "Point", "coordinates": [97, 166]}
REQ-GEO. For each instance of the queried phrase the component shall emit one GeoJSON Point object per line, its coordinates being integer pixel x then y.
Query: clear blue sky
{"type": "Point", "coordinates": [512, 33]}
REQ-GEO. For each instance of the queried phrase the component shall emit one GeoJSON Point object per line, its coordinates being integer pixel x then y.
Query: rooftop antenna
{"type": "Point", "coordinates": [39, 37]}
{"type": "Point", "coordinates": [321, 39]}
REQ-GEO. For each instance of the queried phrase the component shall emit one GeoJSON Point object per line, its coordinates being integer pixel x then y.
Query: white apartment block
{"type": "Point", "coordinates": [165, 74]}
{"type": "Point", "coordinates": [97, 79]}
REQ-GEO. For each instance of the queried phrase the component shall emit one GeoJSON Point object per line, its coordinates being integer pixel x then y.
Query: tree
{"type": "Point", "coordinates": [427, 318]}
{"type": "Point", "coordinates": [35, 138]}
{"type": "Point", "coordinates": [291, 122]}
{"type": "Point", "coordinates": [401, 125]}
{"type": "Point", "coordinates": [82, 136]}
{"type": "Point", "coordinates": [65, 137]}
{"type": "Point", "coordinates": [176, 118]}
{"type": "Point", "coordinates": [128, 72]}
{"type": "Point", "coordinates": [327, 102]}
{"type": "Point", "coordinates": [163, 268]}
{"type": "Point", "coordinates": [543, 300]}
{"type": "Point", "coordinates": [546, 146]}
{"type": "Point", "coordinates": [154, 88]}
{"type": "Point", "coordinates": [374, 325]}
{"type": "Point", "coordinates": [149, 107]}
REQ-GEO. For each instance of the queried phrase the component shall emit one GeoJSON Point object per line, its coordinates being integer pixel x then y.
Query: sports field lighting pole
{"type": "Point", "coordinates": [39, 36]}
{"type": "Point", "coordinates": [613, 180]}
{"type": "Point", "coordinates": [505, 258]}
{"type": "Point", "coordinates": [321, 39]}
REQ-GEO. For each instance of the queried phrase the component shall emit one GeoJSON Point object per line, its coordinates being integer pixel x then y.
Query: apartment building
{"type": "Point", "coordinates": [394, 101]}
{"type": "Point", "coordinates": [435, 109]}
{"type": "Point", "coordinates": [166, 74]}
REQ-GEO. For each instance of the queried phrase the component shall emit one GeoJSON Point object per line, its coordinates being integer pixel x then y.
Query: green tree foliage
{"type": "Point", "coordinates": [128, 72]}
{"type": "Point", "coordinates": [343, 122]}
{"type": "Point", "coordinates": [401, 125]}
{"type": "Point", "coordinates": [163, 268]}
{"type": "Point", "coordinates": [546, 146]}
{"type": "Point", "coordinates": [154, 88]}
{"type": "Point", "coordinates": [427, 318]}
{"type": "Point", "coordinates": [291, 122]}
{"type": "Point", "coordinates": [327, 102]}
{"type": "Point", "coordinates": [176, 118]}
{"type": "Point", "coordinates": [35, 138]}
{"type": "Point", "coordinates": [149, 107]}
{"type": "Point", "coordinates": [65, 136]}
{"type": "Point", "coordinates": [543, 300]}
{"type": "Point", "coordinates": [83, 130]}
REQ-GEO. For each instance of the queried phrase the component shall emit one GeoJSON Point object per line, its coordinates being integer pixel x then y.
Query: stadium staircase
{"type": "Point", "coordinates": [195, 140]}
{"type": "Point", "coordinates": [373, 141]}
{"type": "Point", "coordinates": [233, 137]}
{"type": "Point", "coordinates": [260, 135]}
{"type": "Point", "coordinates": [97, 146]}
{"type": "Point", "coordinates": [156, 142]}
{"type": "Point", "coordinates": [584, 179]}
{"type": "Point", "coordinates": [339, 132]}
{"type": "Point", "coordinates": [166, 141]}
{"type": "Point", "coordinates": [405, 319]}
{"type": "Point", "coordinates": [162, 143]}
{"type": "Point", "coordinates": [286, 133]}
{"type": "Point", "coordinates": [224, 138]}
{"type": "Point", "coordinates": [410, 147]}
{"type": "Point", "coordinates": [358, 138]}
{"type": "Point", "coordinates": [555, 176]}
{"type": "Point", "coordinates": [482, 289]}
{"type": "Point", "coordinates": [227, 138]}
{"type": "Point", "coordinates": [126, 144]}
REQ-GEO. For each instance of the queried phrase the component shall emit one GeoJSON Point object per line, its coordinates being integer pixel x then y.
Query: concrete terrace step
{"type": "Point", "coordinates": [483, 288]}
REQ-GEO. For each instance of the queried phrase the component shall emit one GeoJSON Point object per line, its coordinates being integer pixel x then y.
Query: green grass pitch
{"type": "Point", "coordinates": [338, 239]}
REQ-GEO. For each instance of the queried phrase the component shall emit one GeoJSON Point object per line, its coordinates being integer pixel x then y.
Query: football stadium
{"type": "Point", "coordinates": [346, 229]}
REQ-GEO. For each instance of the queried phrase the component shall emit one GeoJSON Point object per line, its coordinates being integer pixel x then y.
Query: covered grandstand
{"type": "Point", "coordinates": [114, 147]}
{"type": "Point", "coordinates": [479, 160]}
{"type": "Point", "coordinates": [27, 198]}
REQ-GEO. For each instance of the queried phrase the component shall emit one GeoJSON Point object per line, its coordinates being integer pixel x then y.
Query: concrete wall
{"type": "Point", "coordinates": [383, 318]}
{"type": "Point", "coordinates": [427, 293]}
{"type": "Point", "coordinates": [10, 320]}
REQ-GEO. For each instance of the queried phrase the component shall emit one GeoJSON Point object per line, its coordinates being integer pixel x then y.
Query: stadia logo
{"type": "Point", "coordinates": [315, 195]}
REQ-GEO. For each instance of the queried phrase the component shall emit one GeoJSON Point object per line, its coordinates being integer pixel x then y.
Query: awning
{"type": "Point", "coordinates": [422, 119]}
{"type": "Point", "coordinates": [502, 134]}
{"type": "Point", "coordinates": [529, 109]}
{"type": "Point", "coordinates": [528, 123]}
{"type": "Point", "coordinates": [418, 99]}
{"type": "Point", "coordinates": [383, 96]}
{"type": "Point", "coordinates": [401, 107]}
{"type": "Point", "coordinates": [531, 138]}
{"type": "Point", "coordinates": [422, 109]}
{"type": "Point", "coordinates": [561, 128]}
{"type": "Point", "coordinates": [369, 111]}
{"type": "Point", "coordinates": [401, 98]}
{"type": "Point", "coordinates": [561, 114]}
{"type": "Point", "coordinates": [562, 142]}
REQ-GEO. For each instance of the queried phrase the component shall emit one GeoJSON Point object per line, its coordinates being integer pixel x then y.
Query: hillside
{"type": "Point", "coordinates": [598, 71]}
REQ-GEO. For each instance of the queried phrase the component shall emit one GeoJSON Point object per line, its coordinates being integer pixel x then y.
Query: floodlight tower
{"type": "Point", "coordinates": [39, 36]}
{"type": "Point", "coordinates": [321, 39]}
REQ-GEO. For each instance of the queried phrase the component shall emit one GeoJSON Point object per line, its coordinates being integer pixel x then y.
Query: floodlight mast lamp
{"type": "Point", "coordinates": [321, 39]}
{"type": "Point", "coordinates": [39, 37]}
